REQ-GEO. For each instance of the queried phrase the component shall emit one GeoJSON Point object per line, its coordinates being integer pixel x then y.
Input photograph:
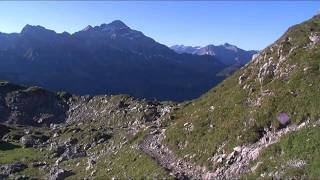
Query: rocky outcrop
{"type": "Point", "coordinates": [31, 106]}
{"type": "Point", "coordinates": [36, 106]}
{"type": "Point", "coordinates": [130, 110]}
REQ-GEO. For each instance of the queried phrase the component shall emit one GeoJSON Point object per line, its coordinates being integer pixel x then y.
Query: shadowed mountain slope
{"type": "Point", "coordinates": [107, 59]}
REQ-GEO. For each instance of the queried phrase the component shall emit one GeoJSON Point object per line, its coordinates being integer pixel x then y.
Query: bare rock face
{"type": "Point", "coordinates": [266, 72]}
{"type": "Point", "coordinates": [314, 38]}
{"type": "Point", "coordinates": [32, 106]}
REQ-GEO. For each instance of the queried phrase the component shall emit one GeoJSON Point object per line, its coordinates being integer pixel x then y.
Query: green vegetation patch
{"type": "Point", "coordinates": [230, 115]}
{"type": "Point", "coordinates": [296, 156]}
{"type": "Point", "coordinates": [10, 153]}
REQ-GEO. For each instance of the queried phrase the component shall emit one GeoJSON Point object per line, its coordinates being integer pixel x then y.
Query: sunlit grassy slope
{"type": "Point", "coordinates": [235, 113]}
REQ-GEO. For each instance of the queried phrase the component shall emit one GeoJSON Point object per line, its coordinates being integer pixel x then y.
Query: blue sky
{"type": "Point", "coordinates": [248, 24]}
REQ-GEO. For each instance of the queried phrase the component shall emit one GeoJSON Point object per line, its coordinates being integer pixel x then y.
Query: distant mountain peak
{"type": "Point", "coordinates": [231, 47]}
{"type": "Point", "coordinates": [27, 29]}
{"type": "Point", "coordinates": [88, 28]}
{"type": "Point", "coordinates": [227, 44]}
{"type": "Point", "coordinates": [114, 25]}
{"type": "Point", "coordinates": [118, 24]}
{"type": "Point", "coordinates": [227, 53]}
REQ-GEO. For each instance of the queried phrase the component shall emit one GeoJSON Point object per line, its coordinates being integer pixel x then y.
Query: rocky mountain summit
{"type": "Point", "coordinates": [106, 59]}
{"type": "Point", "coordinates": [260, 123]}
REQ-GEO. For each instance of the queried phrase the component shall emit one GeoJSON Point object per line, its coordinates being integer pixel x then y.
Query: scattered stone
{"type": "Point", "coordinates": [188, 126]}
{"type": "Point", "coordinates": [90, 163]}
{"type": "Point", "coordinates": [27, 131]}
{"type": "Point", "coordinates": [242, 78]}
{"type": "Point", "coordinates": [56, 135]}
{"type": "Point", "coordinates": [266, 72]}
{"type": "Point", "coordinates": [211, 109]}
{"type": "Point", "coordinates": [296, 163]}
{"type": "Point", "coordinates": [237, 149]}
{"type": "Point", "coordinates": [6, 170]}
{"type": "Point", "coordinates": [59, 174]}
{"type": "Point", "coordinates": [314, 38]}
{"type": "Point", "coordinates": [102, 140]}
{"type": "Point", "coordinates": [39, 164]}
{"type": "Point", "coordinates": [59, 160]}
{"type": "Point", "coordinates": [73, 152]}
{"type": "Point", "coordinates": [86, 146]}
{"type": "Point", "coordinates": [71, 141]}
{"type": "Point", "coordinates": [93, 173]}
{"type": "Point", "coordinates": [211, 125]}
{"type": "Point", "coordinates": [27, 141]}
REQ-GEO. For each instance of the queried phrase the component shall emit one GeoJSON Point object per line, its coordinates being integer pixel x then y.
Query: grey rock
{"type": "Point", "coordinates": [6, 170]}
{"type": "Point", "coordinates": [39, 164]}
{"type": "Point", "coordinates": [27, 141]}
{"type": "Point", "coordinates": [59, 174]}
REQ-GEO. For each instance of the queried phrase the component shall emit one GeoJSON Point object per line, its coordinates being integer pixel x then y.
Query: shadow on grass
{"type": "Point", "coordinates": [4, 146]}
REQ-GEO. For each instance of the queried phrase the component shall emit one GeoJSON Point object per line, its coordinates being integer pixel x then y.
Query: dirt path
{"type": "Point", "coordinates": [177, 167]}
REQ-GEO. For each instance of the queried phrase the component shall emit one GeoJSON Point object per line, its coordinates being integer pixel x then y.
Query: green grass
{"type": "Point", "coordinates": [128, 162]}
{"type": "Point", "coordinates": [302, 145]}
{"type": "Point", "coordinates": [19, 154]}
{"type": "Point", "coordinates": [234, 122]}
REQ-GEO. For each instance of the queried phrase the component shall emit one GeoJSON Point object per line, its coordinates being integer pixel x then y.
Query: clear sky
{"type": "Point", "coordinates": [248, 24]}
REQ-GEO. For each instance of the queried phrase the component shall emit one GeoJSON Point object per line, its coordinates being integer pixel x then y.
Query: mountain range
{"type": "Point", "coordinates": [107, 59]}
{"type": "Point", "coordinates": [228, 54]}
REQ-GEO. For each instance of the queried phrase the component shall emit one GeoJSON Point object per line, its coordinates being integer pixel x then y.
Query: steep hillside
{"type": "Point", "coordinates": [107, 59]}
{"type": "Point", "coordinates": [276, 94]}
